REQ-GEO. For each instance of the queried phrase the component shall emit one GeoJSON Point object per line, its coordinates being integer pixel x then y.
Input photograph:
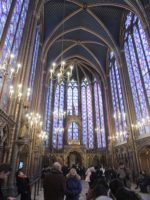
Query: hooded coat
{"type": "Point", "coordinates": [73, 188]}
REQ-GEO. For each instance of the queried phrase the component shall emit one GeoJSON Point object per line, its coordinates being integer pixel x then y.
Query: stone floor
{"type": "Point", "coordinates": [84, 190]}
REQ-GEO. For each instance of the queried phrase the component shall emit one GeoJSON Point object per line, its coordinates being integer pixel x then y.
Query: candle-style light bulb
{"type": "Point", "coordinates": [18, 67]}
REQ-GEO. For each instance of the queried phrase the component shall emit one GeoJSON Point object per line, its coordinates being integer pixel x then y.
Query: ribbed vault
{"type": "Point", "coordinates": [86, 30]}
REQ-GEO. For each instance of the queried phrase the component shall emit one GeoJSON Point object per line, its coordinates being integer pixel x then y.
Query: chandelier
{"type": "Point", "coordinates": [62, 71]}
{"type": "Point", "coordinates": [7, 69]}
{"type": "Point", "coordinates": [62, 74]}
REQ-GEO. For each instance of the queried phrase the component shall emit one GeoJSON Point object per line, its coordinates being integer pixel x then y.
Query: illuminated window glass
{"type": "Point", "coordinates": [72, 98]}
{"type": "Point", "coordinates": [73, 132]}
{"type": "Point", "coordinates": [35, 59]}
{"type": "Point", "coordinates": [4, 11]}
{"type": "Point", "coordinates": [138, 62]}
{"type": "Point", "coordinates": [118, 101]}
{"type": "Point", "coordinates": [100, 126]}
{"type": "Point", "coordinates": [58, 118]}
{"type": "Point", "coordinates": [87, 115]}
{"type": "Point", "coordinates": [47, 118]}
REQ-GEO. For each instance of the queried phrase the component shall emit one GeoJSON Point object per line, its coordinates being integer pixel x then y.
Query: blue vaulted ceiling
{"type": "Point", "coordinates": [85, 29]}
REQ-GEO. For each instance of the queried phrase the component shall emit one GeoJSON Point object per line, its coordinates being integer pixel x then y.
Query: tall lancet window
{"type": "Point", "coordinates": [58, 117]}
{"type": "Point", "coordinates": [87, 115]}
{"type": "Point", "coordinates": [4, 11]}
{"type": "Point", "coordinates": [73, 132]}
{"type": "Point", "coordinates": [48, 111]}
{"type": "Point", "coordinates": [137, 53]}
{"type": "Point", "coordinates": [119, 113]}
{"type": "Point", "coordinates": [12, 44]}
{"type": "Point", "coordinates": [72, 98]}
{"type": "Point", "coordinates": [34, 59]}
{"type": "Point", "coordinates": [99, 114]}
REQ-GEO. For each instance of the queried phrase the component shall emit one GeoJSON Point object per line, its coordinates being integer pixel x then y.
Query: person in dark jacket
{"type": "Point", "coordinates": [4, 172]}
{"type": "Point", "coordinates": [73, 185]}
{"type": "Point", "coordinates": [54, 184]}
{"type": "Point", "coordinates": [121, 193]}
{"type": "Point", "coordinates": [23, 185]}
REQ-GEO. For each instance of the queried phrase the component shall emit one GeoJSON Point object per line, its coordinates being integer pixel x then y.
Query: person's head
{"type": "Point", "coordinates": [73, 172]}
{"type": "Point", "coordinates": [99, 190]}
{"type": "Point", "coordinates": [57, 166]}
{"type": "Point", "coordinates": [121, 193]}
{"type": "Point", "coordinates": [115, 185]}
{"type": "Point", "coordinates": [4, 170]}
{"type": "Point", "coordinates": [20, 173]}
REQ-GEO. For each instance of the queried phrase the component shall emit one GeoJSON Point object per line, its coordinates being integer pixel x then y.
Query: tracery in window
{"type": "Point", "coordinates": [72, 98]}
{"type": "Point", "coordinates": [118, 102]}
{"type": "Point", "coordinates": [34, 59]}
{"type": "Point", "coordinates": [99, 114]}
{"type": "Point", "coordinates": [87, 115]}
{"type": "Point", "coordinates": [138, 63]}
{"type": "Point", "coordinates": [47, 118]}
{"type": "Point", "coordinates": [58, 118]}
{"type": "Point", "coordinates": [4, 11]}
{"type": "Point", "coordinates": [73, 132]}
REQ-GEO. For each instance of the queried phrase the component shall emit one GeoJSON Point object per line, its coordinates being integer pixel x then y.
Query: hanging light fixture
{"type": "Point", "coordinates": [7, 69]}
{"type": "Point", "coordinates": [65, 71]}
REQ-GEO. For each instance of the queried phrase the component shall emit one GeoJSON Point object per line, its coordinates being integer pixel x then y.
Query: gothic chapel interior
{"type": "Point", "coordinates": [74, 83]}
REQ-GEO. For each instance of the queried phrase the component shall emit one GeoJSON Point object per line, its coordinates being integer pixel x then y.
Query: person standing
{"type": "Point", "coordinates": [23, 185]}
{"type": "Point", "coordinates": [122, 174]}
{"type": "Point", "coordinates": [54, 184]}
{"type": "Point", "coordinates": [4, 173]}
{"type": "Point", "coordinates": [73, 185]}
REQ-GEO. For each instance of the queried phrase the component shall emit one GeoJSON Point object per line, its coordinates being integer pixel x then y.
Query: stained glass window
{"type": "Point", "coordinates": [12, 42]}
{"type": "Point", "coordinates": [34, 59]}
{"type": "Point", "coordinates": [4, 11]}
{"type": "Point", "coordinates": [118, 101]}
{"type": "Point", "coordinates": [47, 118]}
{"type": "Point", "coordinates": [100, 126]}
{"type": "Point", "coordinates": [137, 53]}
{"type": "Point", "coordinates": [87, 115]}
{"type": "Point", "coordinates": [72, 98]}
{"type": "Point", "coordinates": [73, 132]}
{"type": "Point", "coordinates": [58, 118]}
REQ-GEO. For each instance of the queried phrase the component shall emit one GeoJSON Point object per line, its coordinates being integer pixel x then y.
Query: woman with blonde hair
{"type": "Point", "coordinates": [73, 185]}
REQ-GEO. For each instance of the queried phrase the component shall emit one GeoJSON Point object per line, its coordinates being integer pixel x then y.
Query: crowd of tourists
{"type": "Point", "coordinates": [104, 184]}
{"type": "Point", "coordinates": [61, 183]}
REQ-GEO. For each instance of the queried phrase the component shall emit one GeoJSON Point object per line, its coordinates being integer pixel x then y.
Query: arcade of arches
{"type": "Point", "coordinates": [92, 109]}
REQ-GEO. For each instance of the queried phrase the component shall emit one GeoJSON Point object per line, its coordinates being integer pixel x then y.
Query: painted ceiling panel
{"type": "Point", "coordinates": [78, 50]}
{"type": "Point", "coordinates": [81, 35]}
{"type": "Point", "coordinates": [84, 20]}
{"type": "Point", "coordinates": [99, 51]}
{"type": "Point", "coordinates": [54, 12]}
{"type": "Point", "coordinates": [111, 17]}
{"type": "Point", "coordinates": [56, 50]}
{"type": "Point", "coordinates": [100, 1]}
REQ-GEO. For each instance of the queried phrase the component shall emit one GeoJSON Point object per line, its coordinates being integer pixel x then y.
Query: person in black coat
{"type": "Point", "coordinates": [4, 173]}
{"type": "Point", "coordinates": [54, 184]}
{"type": "Point", "coordinates": [23, 185]}
{"type": "Point", "coordinates": [73, 185]}
{"type": "Point", "coordinates": [121, 193]}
